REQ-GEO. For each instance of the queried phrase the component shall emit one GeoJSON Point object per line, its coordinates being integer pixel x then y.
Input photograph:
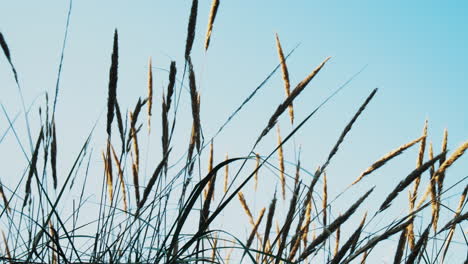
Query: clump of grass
{"type": "Point", "coordinates": [148, 217]}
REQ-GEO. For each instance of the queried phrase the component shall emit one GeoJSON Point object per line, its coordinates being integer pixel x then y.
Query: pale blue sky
{"type": "Point", "coordinates": [415, 52]}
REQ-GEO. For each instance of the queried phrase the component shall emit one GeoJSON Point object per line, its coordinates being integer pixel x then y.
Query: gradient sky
{"type": "Point", "coordinates": [414, 52]}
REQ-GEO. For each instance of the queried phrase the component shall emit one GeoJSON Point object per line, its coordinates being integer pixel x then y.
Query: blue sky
{"type": "Point", "coordinates": [415, 52]}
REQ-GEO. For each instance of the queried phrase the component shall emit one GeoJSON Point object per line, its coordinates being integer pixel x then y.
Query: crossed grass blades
{"type": "Point", "coordinates": [152, 219]}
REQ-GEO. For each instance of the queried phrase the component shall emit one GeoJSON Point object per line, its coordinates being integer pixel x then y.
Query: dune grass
{"type": "Point", "coordinates": [170, 216]}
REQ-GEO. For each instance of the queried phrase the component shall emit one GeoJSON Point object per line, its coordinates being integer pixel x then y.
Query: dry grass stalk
{"type": "Point", "coordinates": [288, 222]}
{"type": "Point", "coordinates": [206, 203]}
{"type": "Point", "coordinates": [171, 85]}
{"type": "Point", "coordinates": [136, 149]}
{"type": "Point", "coordinates": [285, 74]}
{"type": "Point", "coordinates": [7, 249]}
{"type": "Point", "coordinates": [195, 99]}
{"type": "Point", "coordinates": [166, 105]}
{"type": "Point", "coordinates": [136, 183]}
{"type": "Point", "coordinates": [454, 221]}
{"type": "Point", "coordinates": [400, 247]}
{"type": "Point", "coordinates": [4, 198]}
{"type": "Point", "coordinates": [120, 124]}
{"type": "Point", "coordinates": [419, 162]}
{"type": "Point", "coordinates": [457, 217]}
{"type": "Point", "coordinates": [108, 175]}
{"type": "Point", "coordinates": [191, 29]}
{"type": "Point", "coordinates": [333, 226]}
{"type": "Point", "coordinates": [314, 232]}
{"type": "Point", "coordinates": [375, 240]}
{"type": "Point", "coordinates": [165, 127]}
{"type": "Point", "coordinates": [364, 257]}
{"type": "Point", "coordinates": [269, 222]}
{"type": "Point", "coordinates": [210, 168]}
{"type": "Point", "coordinates": [410, 227]}
{"type": "Point", "coordinates": [418, 246]}
{"type": "Point", "coordinates": [386, 158]}
{"type": "Point", "coordinates": [152, 180]}
{"type": "Point", "coordinates": [440, 177]}
{"type": "Point", "coordinates": [324, 200]}
{"type": "Point", "coordinates": [137, 110]}
{"type": "Point", "coordinates": [337, 241]}
{"type": "Point", "coordinates": [53, 155]}
{"type": "Point", "coordinates": [413, 195]}
{"type": "Point", "coordinates": [347, 129]}
{"type": "Point", "coordinates": [211, 19]}
{"type": "Point", "coordinates": [433, 191]}
{"type": "Point", "coordinates": [54, 243]}
{"type": "Point", "coordinates": [307, 222]}
{"type": "Point", "coordinates": [198, 138]}
{"type": "Point", "coordinates": [352, 240]}
{"type": "Point", "coordinates": [407, 181]}
{"type": "Point", "coordinates": [299, 228]}
{"type": "Point", "coordinates": [190, 149]}
{"type": "Point", "coordinates": [32, 167]}
{"type": "Point", "coordinates": [6, 51]}
{"type": "Point", "coordinates": [255, 228]}
{"type": "Point", "coordinates": [5, 48]}
{"type": "Point", "coordinates": [449, 162]}
{"type": "Point", "coordinates": [452, 228]}
{"type": "Point", "coordinates": [136, 158]}
{"type": "Point", "coordinates": [295, 244]}
{"type": "Point", "coordinates": [298, 172]}
{"type": "Point", "coordinates": [112, 91]}
{"type": "Point", "coordinates": [226, 174]}
{"type": "Point", "coordinates": [431, 187]}
{"type": "Point", "coordinates": [410, 232]}
{"type": "Point", "coordinates": [246, 208]}
{"type": "Point", "coordinates": [281, 164]}
{"type": "Point", "coordinates": [294, 93]}
{"type": "Point", "coordinates": [228, 255]}
{"type": "Point", "coordinates": [150, 92]}
{"type": "Point", "coordinates": [266, 250]}
{"type": "Point", "coordinates": [257, 168]}
{"type": "Point", "coordinates": [121, 178]}
{"type": "Point", "coordinates": [294, 248]}
{"type": "Point", "coordinates": [133, 115]}
{"type": "Point", "coordinates": [431, 155]}
{"type": "Point", "coordinates": [307, 205]}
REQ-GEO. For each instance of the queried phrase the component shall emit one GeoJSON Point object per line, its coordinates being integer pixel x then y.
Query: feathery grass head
{"type": "Point", "coordinates": [150, 92]}
{"type": "Point", "coordinates": [246, 208]}
{"type": "Point", "coordinates": [154, 225]}
{"type": "Point", "coordinates": [5, 48]}
{"type": "Point", "coordinates": [32, 167]}
{"type": "Point", "coordinates": [333, 226]}
{"type": "Point", "coordinates": [285, 74]}
{"type": "Point", "coordinates": [408, 180]}
{"type": "Point", "coordinates": [192, 23]}
{"type": "Point", "coordinates": [281, 163]}
{"type": "Point", "coordinates": [113, 76]}
{"type": "Point", "coordinates": [324, 200]}
{"type": "Point", "coordinates": [211, 19]}
{"type": "Point", "coordinates": [288, 101]}
{"type": "Point", "coordinates": [386, 158]}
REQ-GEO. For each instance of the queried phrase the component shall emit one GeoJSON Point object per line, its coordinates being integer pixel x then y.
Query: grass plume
{"type": "Point", "coordinates": [113, 76]}
{"type": "Point", "coordinates": [211, 19]}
